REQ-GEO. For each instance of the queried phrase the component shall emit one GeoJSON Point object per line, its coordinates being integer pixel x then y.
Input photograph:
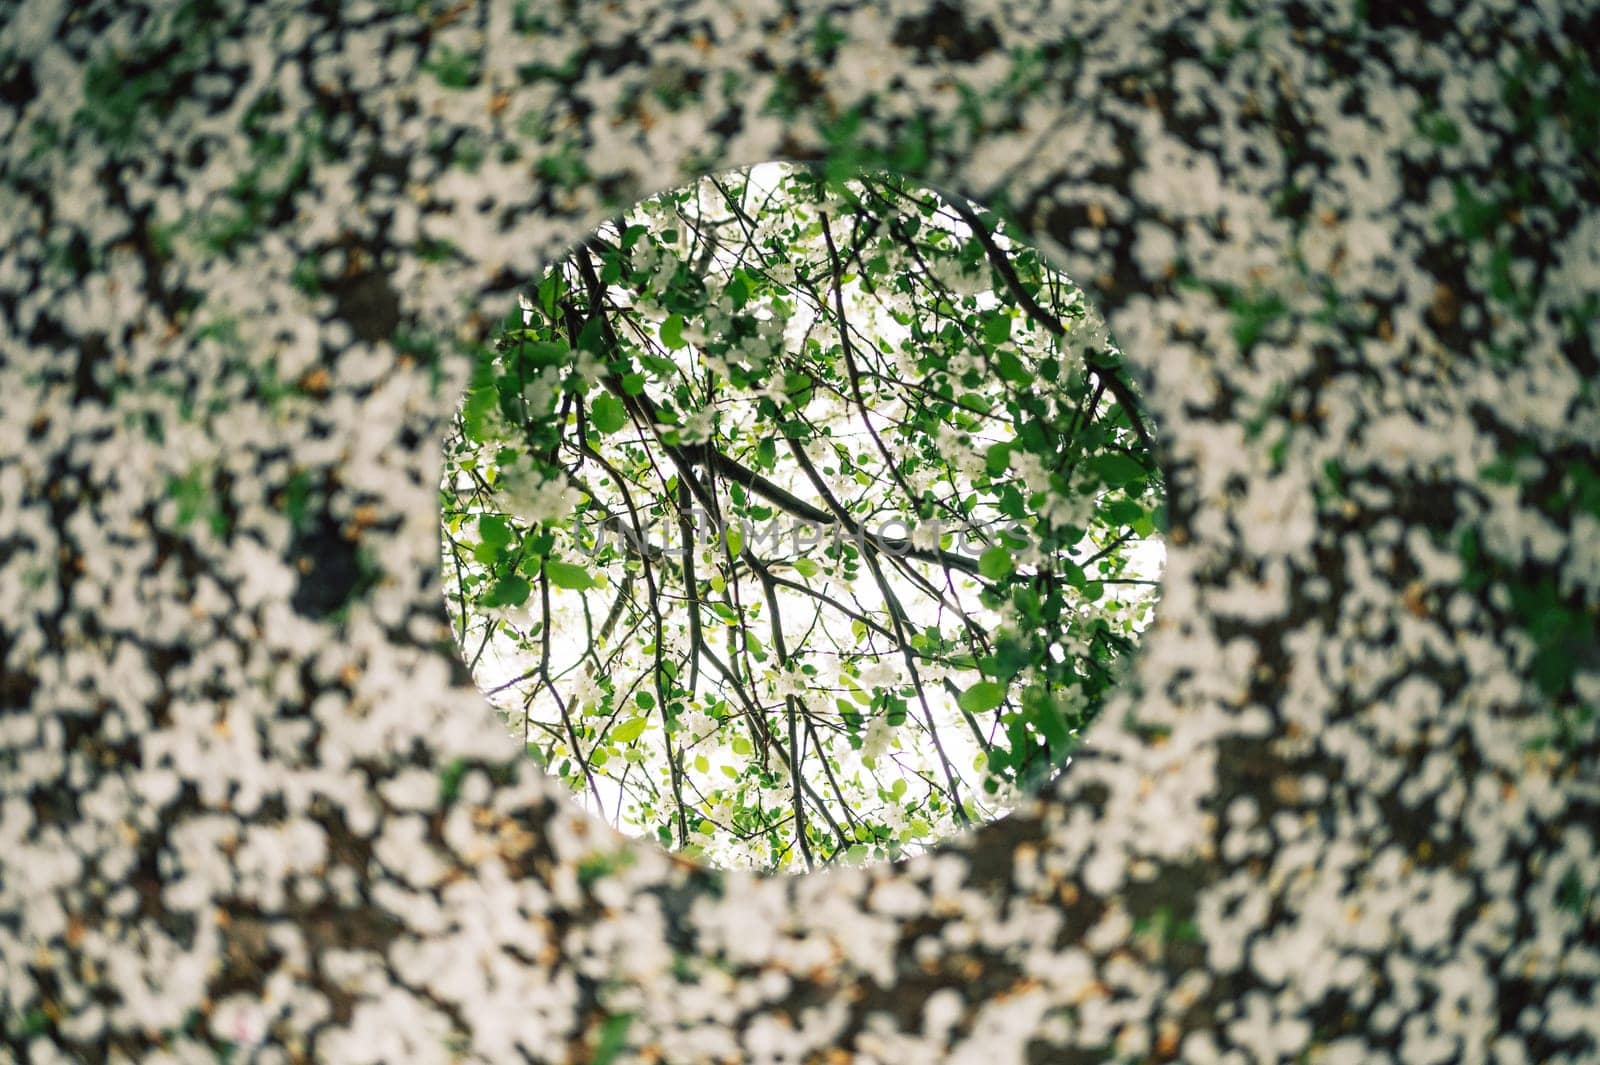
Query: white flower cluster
{"type": "Point", "coordinates": [535, 494]}
{"type": "Point", "coordinates": [698, 425]}
{"type": "Point", "coordinates": [875, 740]}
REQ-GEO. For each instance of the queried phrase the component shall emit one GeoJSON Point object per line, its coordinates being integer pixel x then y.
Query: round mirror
{"type": "Point", "coordinates": [791, 521]}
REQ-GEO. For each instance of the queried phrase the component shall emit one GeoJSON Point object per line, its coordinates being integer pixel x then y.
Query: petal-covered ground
{"type": "Point", "coordinates": [252, 804]}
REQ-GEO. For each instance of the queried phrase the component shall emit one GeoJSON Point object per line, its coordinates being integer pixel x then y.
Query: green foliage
{"type": "Point", "coordinates": [450, 781]}
{"type": "Point", "coordinates": [629, 730]}
{"type": "Point", "coordinates": [672, 332]}
{"type": "Point", "coordinates": [982, 697]}
{"type": "Point", "coordinates": [198, 496]}
{"type": "Point", "coordinates": [924, 572]}
{"type": "Point", "coordinates": [454, 70]}
{"type": "Point", "coordinates": [566, 575]}
{"type": "Point", "coordinates": [1116, 470]}
{"type": "Point", "coordinates": [510, 590]}
{"type": "Point", "coordinates": [35, 1022]}
{"type": "Point", "coordinates": [613, 1038]}
{"type": "Point", "coordinates": [123, 89]}
{"type": "Point", "coordinates": [607, 414]}
{"type": "Point", "coordinates": [995, 563]}
{"type": "Point", "coordinates": [296, 496]}
{"type": "Point", "coordinates": [1254, 314]}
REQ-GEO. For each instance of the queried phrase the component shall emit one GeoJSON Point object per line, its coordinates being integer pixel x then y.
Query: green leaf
{"type": "Point", "coordinates": [1052, 727]}
{"type": "Point", "coordinates": [592, 337]}
{"type": "Point", "coordinates": [672, 332]}
{"type": "Point", "coordinates": [1123, 512]}
{"type": "Point", "coordinates": [511, 590]}
{"type": "Point", "coordinates": [633, 383]}
{"type": "Point", "coordinates": [480, 402]}
{"type": "Point", "coordinates": [1114, 469]}
{"type": "Point", "coordinates": [995, 563]}
{"type": "Point", "coordinates": [997, 459]}
{"type": "Point", "coordinates": [607, 414]}
{"type": "Point", "coordinates": [543, 353]}
{"type": "Point", "coordinates": [629, 730]}
{"type": "Point", "coordinates": [613, 1039]}
{"type": "Point", "coordinates": [549, 290]}
{"type": "Point", "coordinates": [566, 575]}
{"type": "Point", "coordinates": [982, 696]}
{"type": "Point", "coordinates": [806, 568]}
{"type": "Point", "coordinates": [645, 700]}
{"type": "Point", "coordinates": [997, 330]}
{"type": "Point", "coordinates": [664, 368]}
{"type": "Point", "coordinates": [742, 746]}
{"type": "Point", "coordinates": [450, 780]}
{"type": "Point", "coordinates": [1011, 368]}
{"type": "Point", "coordinates": [494, 530]}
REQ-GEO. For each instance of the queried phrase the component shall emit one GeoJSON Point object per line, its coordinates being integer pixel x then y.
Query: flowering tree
{"type": "Point", "coordinates": [792, 521]}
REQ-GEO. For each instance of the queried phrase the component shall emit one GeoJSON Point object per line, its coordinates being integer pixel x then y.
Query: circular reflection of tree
{"type": "Point", "coordinates": [793, 521]}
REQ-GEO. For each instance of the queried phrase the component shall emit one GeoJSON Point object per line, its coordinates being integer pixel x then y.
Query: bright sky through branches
{"type": "Point", "coordinates": [881, 525]}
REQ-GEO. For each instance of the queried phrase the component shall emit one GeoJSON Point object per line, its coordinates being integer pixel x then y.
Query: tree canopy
{"type": "Point", "coordinates": [791, 520]}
